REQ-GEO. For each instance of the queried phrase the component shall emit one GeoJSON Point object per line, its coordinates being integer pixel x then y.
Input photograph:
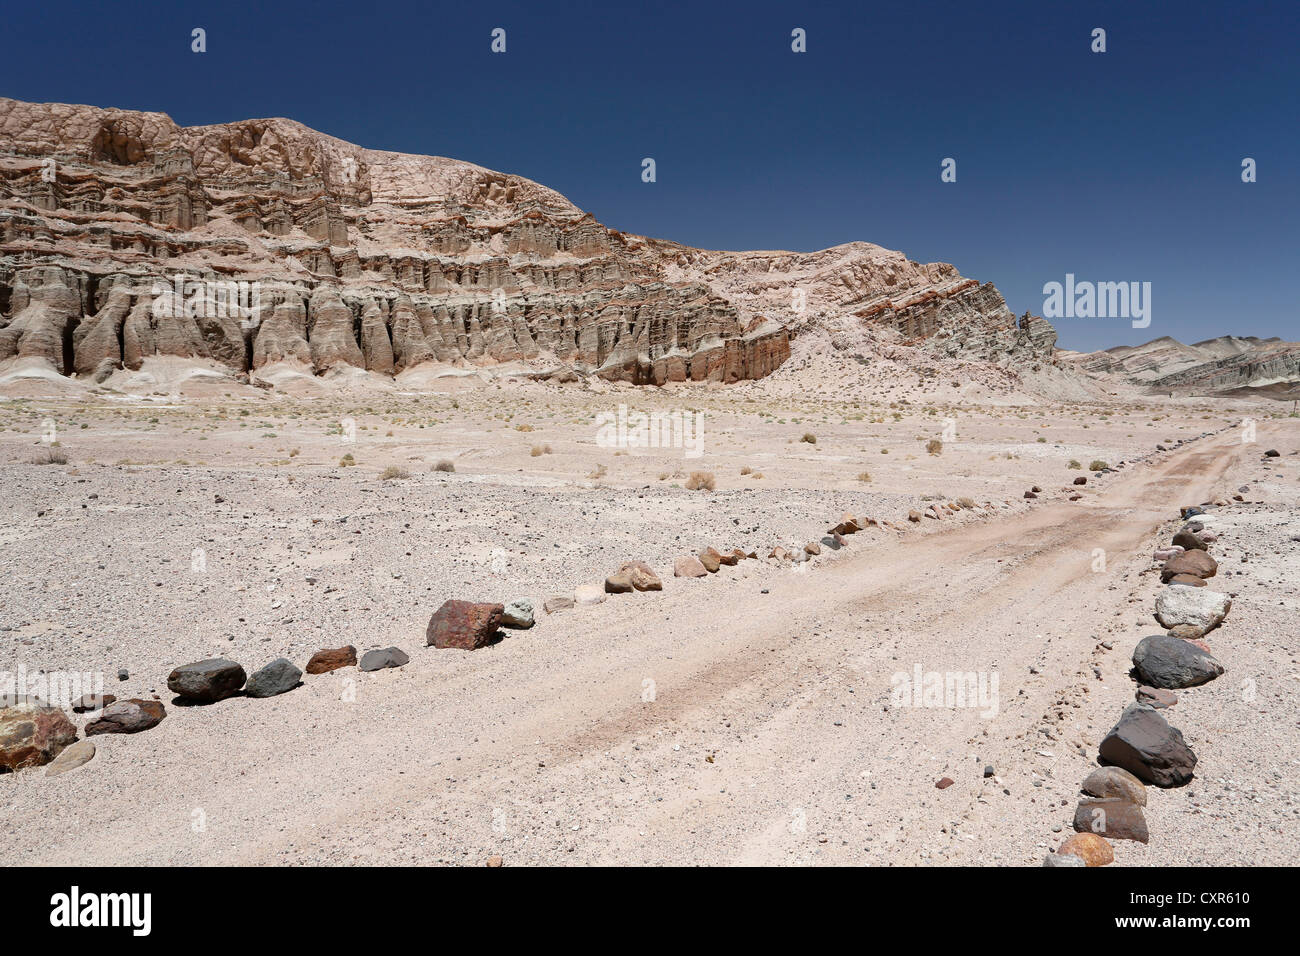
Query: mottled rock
{"type": "Point", "coordinates": [709, 559]}
{"type": "Point", "coordinates": [1089, 847]}
{"type": "Point", "coordinates": [1156, 697]}
{"type": "Point", "coordinates": [464, 625]}
{"type": "Point", "coordinates": [1201, 610]}
{"type": "Point", "coordinates": [326, 660]}
{"type": "Point", "coordinates": [32, 734]}
{"type": "Point", "coordinates": [1197, 563]}
{"type": "Point", "coordinates": [127, 717]}
{"type": "Point", "coordinates": [518, 614]}
{"type": "Point", "coordinates": [642, 576]}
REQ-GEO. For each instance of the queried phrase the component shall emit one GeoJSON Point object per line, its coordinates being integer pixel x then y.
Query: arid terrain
{"type": "Point", "coordinates": [767, 734]}
{"type": "Point", "coordinates": [265, 393]}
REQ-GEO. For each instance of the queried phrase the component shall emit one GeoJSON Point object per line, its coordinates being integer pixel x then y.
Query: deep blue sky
{"type": "Point", "coordinates": [1116, 166]}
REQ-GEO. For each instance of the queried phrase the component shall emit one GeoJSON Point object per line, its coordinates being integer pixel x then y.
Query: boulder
{"type": "Point", "coordinates": [127, 717]}
{"type": "Point", "coordinates": [70, 758]}
{"type": "Point", "coordinates": [914, 515]}
{"type": "Point", "coordinates": [1143, 743]}
{"type": "Point", "coordinates": [585, 595]}
{"type": "Point", "coordinates": [1188, 541]}
{"type": "Point", "coordinates": [562, 603]}
{"type": "Point", "coordinates": [1081, 480]}
{"type": "Point", "coordinates": [518, 614]}
{"type": "Point", "coordinates": [206, 682]}
{"type": "Point", "coordinates": [620, 582]}
{"type": "Point", "coordinates": [325, 660]}
{"type": "Point", "coordinates": [383, 658]}
{"type": "Point", "coordinates": [1199, 608]}
{"type": "Point", "coordinates": [709, 558]}
{"type": "Point", "coordinates": [1112, 817]}
{"type": "Point", "coordinates": [1170, 662]}
{"type": "Point", "coordinates": [278, 677]}
{"type": "Point", "coordinates": [1190, 562]}
{"type": "Point", "coordinates": [1089, 847]}
{"type": "Point", "coordinates": [32, 733]}
{"type": "Point", "coordinates": [812, 547]}
{"type": "Point", "coordinates": [689, 567]}
{"type": "Point", "coordinates": [1115, 782]}
{"type": "Point", "coordinates": [1068, 859]}
{"type": "Point", "coordinates": [643, 577]}
{"type": "Point", "coordinates": [464, 625]}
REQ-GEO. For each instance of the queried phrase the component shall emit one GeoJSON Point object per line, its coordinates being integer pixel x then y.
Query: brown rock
{"type": "Point", "coordinates": [689, 567]}
{"type": "Point", "coordinates": [1091, 848]}
{"type": "Point", "coordinates": [780, 553]}
{"type": "Point", "coordinates": [642, 576]}
{"type": "Point", "coordinates": [1081, 480]}
{"type": "Point", "coordinates": [127, 717]}
{"type": "Point", "coordinates": [618, 583]}
{"type": "Point", "coordinates": [1111, 817]}
{"type": "Point", "coordinates": [944, 783]}
{"type": "Point", "coordinates": [1188, 541]}
{"type": "Point", "coordinates": [709, 558]}
{"type": "Point", "coordinates": [812, 547]}
{"type": "Point", "coordinates": [32, 734]}
{"type": "Point", "coordinates": [1196, 563]}
{"type": "Point", "coordinates": [1115, 782]}
{"type": "Point", "coordinates": [494, 861]}
{"type": "Point", "coordinates": [464, 625]}
{"type": "Point", "coordinates": [562, 603]}
{"type": "Point", "coordinates": [914, 515]}
{"type": "Point", "coordinates": [1157, 697]}
{"type": "Point", "coordinates": [71, 757]}
{"type": "Point", "coordinates": [324, 661]}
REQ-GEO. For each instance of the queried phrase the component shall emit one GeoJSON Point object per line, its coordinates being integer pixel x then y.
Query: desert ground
{"type": "Point", "coordinates": [740, 718]}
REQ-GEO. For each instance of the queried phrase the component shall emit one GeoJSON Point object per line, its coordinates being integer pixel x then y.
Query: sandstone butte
{"type": "Point", "coordinates": [124, 237]}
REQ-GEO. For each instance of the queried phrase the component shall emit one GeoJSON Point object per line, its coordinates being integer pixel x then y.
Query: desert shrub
{"type": "Point", "coordinates": [809, 437]}
{"type": "Point", "coordinates": [392, 472]}
{"type": "Point", "coordinates": [966, 502]}
{"type": "Point", "coordinates": [536, 451]}
{"type": "Point", "coordinates": [347, 460]}
{"type": "Point", "coordinates": [701, 481]}
{"type": "Point", "coordinates": [1097, 465]}
{"type": "Point", "coordinates": [1074, 465]}
{"type": "Point", "coordinates": [746, 470]}
{"type": "Point", "coordinates": [444, 465]}
{"type": "Point", "coordinates": [864, 476]}
{"type": "Point", "coordinates": [934, 446]}
{"type": "Point", "coordinates": [51, 455]}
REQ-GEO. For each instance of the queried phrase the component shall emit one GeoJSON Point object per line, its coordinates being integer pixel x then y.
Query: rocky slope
{"type": "Point", "coordinates": [1228, 363]}
{"type": "Point", "coordinates": [264, 245]}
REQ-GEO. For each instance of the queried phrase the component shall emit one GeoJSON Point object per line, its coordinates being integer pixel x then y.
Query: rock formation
{"type": "Point", "coordinates": [125, 237]}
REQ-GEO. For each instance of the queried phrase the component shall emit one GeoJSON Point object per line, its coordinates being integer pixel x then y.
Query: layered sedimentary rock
{"type": "Point", "coordinates": [125, 237]}
{"type": "Point", "coordinates": [1215, 365]}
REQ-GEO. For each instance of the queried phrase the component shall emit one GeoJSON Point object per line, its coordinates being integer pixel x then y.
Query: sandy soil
{"type": "Point", "coordinates": [771, 736]}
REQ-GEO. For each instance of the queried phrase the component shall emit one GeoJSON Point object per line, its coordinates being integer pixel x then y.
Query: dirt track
{"type": "Point", "coordinates": [543, 749]}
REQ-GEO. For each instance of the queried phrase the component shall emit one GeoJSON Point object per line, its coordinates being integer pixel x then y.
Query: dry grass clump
{"type": "Point", "coordinates": [53, 455]}
{"type": "Point", "coordinates": [1097, 465]}
{"type": "Point", "coordinates": [809, 437]}
{"type": "Point", "coordinates": [701, 481]}
{"type": "Point", "coordinates": [600, 472]}
{"type": "Point", "coordinates": [1074, 465]}
{"type": "Point", "coordinates": [934, 446]}
{"type": "Point", "coordinates": [347, 461]}
{"type": "Point", "coordinates": [864, 476]}
{"type": "Point", "coordinates": [393, 472]}
{"type": "Point", "coordinates": [746, 470]}
{"type": "Point", "coordinates": [966, 503]}
{"type": "Point", "coordinates": [444, 465]}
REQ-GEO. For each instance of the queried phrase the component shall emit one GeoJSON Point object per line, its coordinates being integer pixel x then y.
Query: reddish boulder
{"type": "Point", "coordinates": [127, 717]}
{"type": "Point", "coordinates": [32, 734]}
{"type": "Point", "coordinates": [1196, 563]}
{"type": "Point", "coordinates": [464, 625]}
{"type": "Point", "coordinates": [325, 660]}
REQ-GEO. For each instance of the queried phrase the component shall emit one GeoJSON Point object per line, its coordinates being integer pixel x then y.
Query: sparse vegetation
{"type": "Point", "coordinates": [934, 446]}
{"type": "Point", "coordinates": [600, 472]}
{"type": "Point", "coordinates": [444, 465]}
{"type": "Point", "coordinates": [864, 477]}
{"type": "Point", "coordinates": [392, 472]}
{"type": "Point", "coordinates": [1097, 465]}
{"type": "Point", "coordinates": [1074, 465]}
{"type": "Point", "coordinates": [701, 481]}
{"type": "Point", "coordinates": [746, 470]}
{"type": "Point", "coordinates": [347, 460]}
{"type": "Point", "coordinates": [53, 455]}
{"type": "Point", "coordinates": [809, 437]}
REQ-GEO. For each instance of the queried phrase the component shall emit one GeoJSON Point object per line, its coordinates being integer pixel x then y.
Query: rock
{"type": "Point", "coordinates": [1272, 453]}
{"type": "Point", "coordinates": [123, 674]}
{"type": "Point", "coordinates": [92, 702]}
{"type": "Point", "coordinates": [518, 614]}
{"type": "Point", "coordinates": [1030, 494]}
{"type": "Point", "coordinates": [71, 757]}
{"type": "Point", "coordinates": [494, 861]}
{"type": "Point", "coordinates": [1171, 663]}
{"type": "Point", "coordinates": [914, 516]}
{"type": "Point", "coordinates": [465, 625]}
{"type": "Point", "coordinates": [988, 770]}
{"type": "Point", "coordinates": [278, 677]}
{"type": "Point", "coordinates": [32, 733]}
{"type": "Point", "coordinates": [643, 577]}
{"type": "Point", "coordinates": [206, 682]}
{"type": "Point", "coordinates": [1188, 580]}
{"type": "Point", "coordinates": [127, 717]}
{"type": "Point", "coordinates": [1164, 554]}
{"type": "Point", "coordinates": [585, 595]}
{"type": "Point", "coordinates": [1143, 743]}
{"type": "Point", "coordinates": [780, 553]}
{"type": "Point", "coordinates": [1201, 609]}
{"type": "Point", "coordinates": [324, 661]}
{"type": "Point", "coordinates": [1190, 562]}
{"type": "Point", "coordinates": [1191, 512]}
{"type": "Point", "coordinates": [1115, 782]}
{"type": "Point", "coordinates": [383, 658]}
{"type": "Point", "coordinates": [1069, 859]}
{"type": "Point", "coordinates": [848, 525]}
{"type": "Point", "coordinates": [1188, 541]}
{"type": "Point", "coordinates": [562, 603]}
{"type": "Point", "coordinates": [1111, 817]}
{"type": "Point", "coordinates": [709, 558]}
{"type": "Point", "coordinates": [812, 547]}
{"type": "Point", "coordinates": [1081, 480]}
{"type": "Point", "coordinates": [1089, 847]}
{"type": "Point", "coordinates": [944, 783]}
{"type": "Point", "coordinates": [619, 582]}
{"type": "Point", "coordinates": [1157, 697]}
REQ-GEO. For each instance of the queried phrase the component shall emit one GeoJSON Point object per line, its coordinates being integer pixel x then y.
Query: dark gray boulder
{"type": "Point", "coordinates": [385, 657]}
{"type": "Point", "coordinates": [1144, 744]}
{"type": "Point", "coordinates": [278, 677]}
{"type": "Point", "coordinates": [1171, 662]}
{"type": "Point", "coordinates": [206, 682]}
